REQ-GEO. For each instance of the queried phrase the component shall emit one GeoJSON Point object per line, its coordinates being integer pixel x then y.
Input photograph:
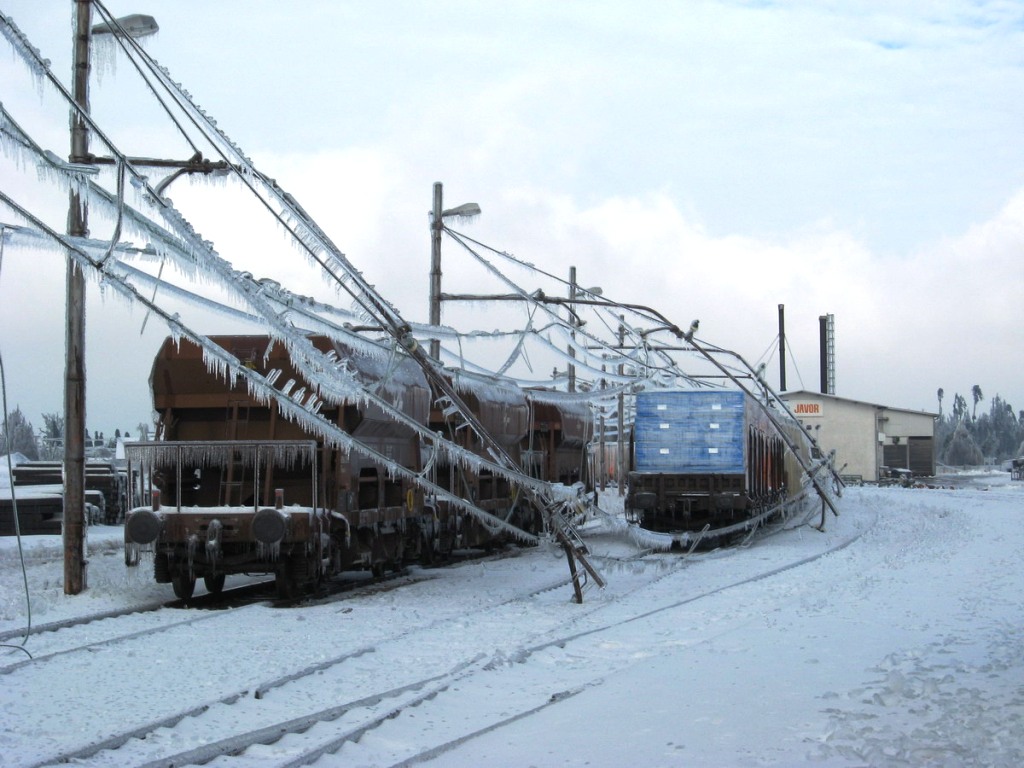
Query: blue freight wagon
{"type": "Point", "coordinates": [705, 463]}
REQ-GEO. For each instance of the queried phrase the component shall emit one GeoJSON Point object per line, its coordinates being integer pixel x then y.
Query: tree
{"type": "Point", "coordinates": [53, 426]}
{"type": "Point", "coordinates": [53, 435]}
{"type": "Point", "coordinates": [1004, 430]}
{"type": "Point", "coordinates": [962, 450]}
{"type": "Point", "coordinates": [940, 393]}
{"type": "Point", "coordinates": [18, 436]}
{"type": "Point", "coordinates": [959, 407]}
{"type": "Point", "coordinates": [976, 394]}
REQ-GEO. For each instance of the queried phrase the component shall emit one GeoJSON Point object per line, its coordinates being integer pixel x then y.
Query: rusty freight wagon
{"type": "Point", "coordinates": [367, 516]}
{"type": "Point", "coordinates": [220, 456]}
{"type": "Point", "coordinates": [502, 410]}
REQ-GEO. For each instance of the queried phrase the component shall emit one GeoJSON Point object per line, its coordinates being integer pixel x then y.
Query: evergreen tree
{"type": "Point", "coordinates": [53, 434]}
{"type": "Point", "coordinates": [1005, 430]}
{"type": "Point", "coordinates": [53, 426]}
{"type": "Point", "coordinates": [18, 436]}
{"type": "Point", "coordinates": [962, 450]}
{"type": "Point", "coordinates": [998, 434]}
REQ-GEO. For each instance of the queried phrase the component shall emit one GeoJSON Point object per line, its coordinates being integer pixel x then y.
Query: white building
{"type": "Point", "coordinates": [867, 436]}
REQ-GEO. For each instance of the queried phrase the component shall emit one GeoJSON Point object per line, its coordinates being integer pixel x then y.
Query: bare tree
{"type": "Point", "coordinates": [976, 394]}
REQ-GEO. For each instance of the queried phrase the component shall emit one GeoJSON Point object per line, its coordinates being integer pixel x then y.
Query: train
{"type": "Point", "coordinates": [231, 485]}
{"type": "Point", "coordinates": [708, 466]}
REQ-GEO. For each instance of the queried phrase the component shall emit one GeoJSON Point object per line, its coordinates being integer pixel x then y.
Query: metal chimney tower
{"type": "Point", "coordinates": [827, 334]}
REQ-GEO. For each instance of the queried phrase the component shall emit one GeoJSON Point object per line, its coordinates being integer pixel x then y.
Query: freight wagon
{"type": "Point", "coordinates": [288, 504]}
{"type": "Point", "coordinates": [709, 465]}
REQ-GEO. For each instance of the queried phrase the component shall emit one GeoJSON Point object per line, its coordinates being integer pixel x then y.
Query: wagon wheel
{"type": "Point", "coordinates": [161, 569]}
{"type": "Point", "coordinates": [290, 577]}
{"type": "Point", "coordinates": [426, 549]}
{"type": "Point", "coordinates": [214, 582]}
{"type": "Point", "coordinates": [184, 586]}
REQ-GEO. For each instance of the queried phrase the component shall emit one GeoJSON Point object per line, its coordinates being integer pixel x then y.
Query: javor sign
{"type": "Point", "coordinates": [807, 409]}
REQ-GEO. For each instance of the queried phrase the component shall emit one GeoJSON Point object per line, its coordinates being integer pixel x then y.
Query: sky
{"type": "Point", "coordinates": [890, 639]}
{"type": "Point", "coordinates": [710, 159]}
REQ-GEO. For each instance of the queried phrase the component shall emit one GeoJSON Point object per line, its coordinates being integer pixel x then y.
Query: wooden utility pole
{"type": "Point", "coordinates": [437, 216]}
{"type": "Point", "coordinates": [620, 457]}
{"type": "Point", "coordinates": [74, 365]}
{"type": "Point", "coordinates": [436, 224]}
{"type": "Point", "coordinates": [74, 342]}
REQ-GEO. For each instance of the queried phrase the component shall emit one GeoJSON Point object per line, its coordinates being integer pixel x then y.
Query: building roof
{"type": "Point", "coordinates": [822, 395]}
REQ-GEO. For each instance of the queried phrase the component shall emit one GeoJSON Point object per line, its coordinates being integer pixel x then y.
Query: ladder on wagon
{"type": "Point", "coordinates": [552, 510]}
{"type": "Point", "coordinates": [233, 476]}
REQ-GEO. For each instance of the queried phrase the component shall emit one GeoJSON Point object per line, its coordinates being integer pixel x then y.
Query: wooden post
{"type": "Point", "coordinates": [74, 364]}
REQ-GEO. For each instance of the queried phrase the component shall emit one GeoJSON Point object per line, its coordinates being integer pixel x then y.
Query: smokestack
{"type": "Point", "coordinates": [823, 351]}
{"type": "Point", "coordinates": [828, 353]}
{"type": "Point", "coordinates": [782, 347]}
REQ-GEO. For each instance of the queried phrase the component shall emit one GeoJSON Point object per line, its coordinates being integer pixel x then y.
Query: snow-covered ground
{"type": "Point", "coordinates": [893, 638]}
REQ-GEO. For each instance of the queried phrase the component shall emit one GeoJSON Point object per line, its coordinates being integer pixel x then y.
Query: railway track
{"type": "Point", "coordinates": [95, 630]}
{"type": "Point", "coordinates": [57, 638]}
{"type": "Point", "coordinates": [425, 671]}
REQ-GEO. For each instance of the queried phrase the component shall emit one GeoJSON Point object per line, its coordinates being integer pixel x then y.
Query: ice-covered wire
{"type": "Point", "coordinates": [581, 352]}
{"type": "Point", "coordinates": [121, 38]}
{"type": "Point", "coordinates": [558, 325]}
{"type": "Point", "coordinates": [116, 237]}
{"type": "Point", "coordinates": [534, 268]}
{"type": "Point", "coordinates": [671, 366]}
{"type": "Point", "coordinates": [10, 474]}
{"type": "Point", "coordinates": [179, 225]}
{"type": "Point", "coordinates": [198, 249]}
{"type": "Point", "coordinates": [224, 364]}
{"type": "Point", "coordinates": [302, 228]}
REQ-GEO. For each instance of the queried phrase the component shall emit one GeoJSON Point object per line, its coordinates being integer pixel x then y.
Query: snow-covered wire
{"type": "Point", "coordinates": [10, 475]}
{"type": "Point", "coordinates": [225, 365]}
{"type": "Point", "coordinates": [581, 352]}
{"type": "Point", "coordinates": [308, 236]}
{"type": "Point", "coordinates": [122, 38]}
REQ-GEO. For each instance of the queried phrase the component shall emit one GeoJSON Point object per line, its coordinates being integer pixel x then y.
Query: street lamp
{"type": "Point", "coordinates": [437, 216]}
{"type": "Point", "coordinates": [74, 364]}
{"type": "Point", "coordinates": [134, 25]}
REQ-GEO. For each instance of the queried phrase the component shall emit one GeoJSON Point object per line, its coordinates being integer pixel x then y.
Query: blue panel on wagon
{"type": "Point", "coordinates": [690, 432]}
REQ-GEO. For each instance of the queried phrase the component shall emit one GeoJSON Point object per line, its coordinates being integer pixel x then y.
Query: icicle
{"type": "Point", "coordinates": [29, 54]}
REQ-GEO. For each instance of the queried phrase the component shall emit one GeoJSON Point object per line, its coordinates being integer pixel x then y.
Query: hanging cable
{"type": "Point", "coordinates": [116, 237]}
{"type": "Point", "coordinates": [792, 357]}
{"type": "Point", "coordinates": [120, 37]}
{"type": "Point", "coordinates": [10, 475]}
